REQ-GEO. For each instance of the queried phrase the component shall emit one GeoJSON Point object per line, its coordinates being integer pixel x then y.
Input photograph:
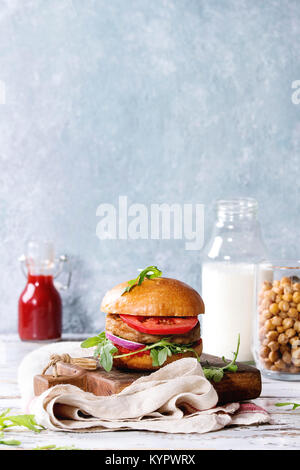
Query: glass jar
{"type": "Point", "coordinates": [40, 306]}
{"type": "Point", "coordinates": [276, 336]}
{"type": "Point", "coordinates": [228, 274]}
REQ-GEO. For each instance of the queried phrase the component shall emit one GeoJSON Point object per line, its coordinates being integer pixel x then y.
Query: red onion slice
{"type": "Point", "coordinates": [124, 343]}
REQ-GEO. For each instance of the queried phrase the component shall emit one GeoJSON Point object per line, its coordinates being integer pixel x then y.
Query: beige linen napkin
{"type": "Point", "coordinates": [175, 399]}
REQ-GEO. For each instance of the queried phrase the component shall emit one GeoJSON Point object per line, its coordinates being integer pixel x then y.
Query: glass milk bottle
{"type": "Point", "coordinates": [228, 278]}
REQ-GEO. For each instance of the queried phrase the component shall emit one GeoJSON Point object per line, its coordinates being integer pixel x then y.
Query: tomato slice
{"type": "Point", "coordinates": [160, 325]}
{"type": "Point", "coordinates": [122, 350]}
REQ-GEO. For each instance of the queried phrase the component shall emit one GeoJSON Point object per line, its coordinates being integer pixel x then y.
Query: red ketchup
{"type": "Point", "coordinates": [40, 306]}
{"type": "Point", "coordinates": [40, 309]}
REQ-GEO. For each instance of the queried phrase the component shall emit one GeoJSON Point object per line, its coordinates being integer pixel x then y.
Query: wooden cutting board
{"type": "Point", "coordinates": [245, 384]}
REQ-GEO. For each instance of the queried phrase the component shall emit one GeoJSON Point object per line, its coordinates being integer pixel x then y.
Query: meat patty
{"type": "Point", "coordinates": [116, 326]}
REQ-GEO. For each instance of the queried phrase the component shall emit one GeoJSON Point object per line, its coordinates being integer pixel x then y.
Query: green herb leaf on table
{"type": "Point", "coordinates": [294, 405]}
{"type": "Point", "coordinates": [54, 447]}
{"type": "Point", "coordinates": [10, 442]}
{"type": "Point", "coordinates": [27, 421]}
{"type": "Point", "coordinates": [149, 273]}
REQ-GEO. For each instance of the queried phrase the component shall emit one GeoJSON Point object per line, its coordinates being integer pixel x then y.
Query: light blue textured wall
{"type": "Point", "coordinates": [162, 101]}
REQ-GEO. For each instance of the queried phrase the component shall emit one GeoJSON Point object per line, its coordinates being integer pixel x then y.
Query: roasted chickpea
{"type": "Point", "coordinates": [287, 297]}
{"type": "Point", "coordinates": [265, 351]}
{"type": "Point", "coordinates": [296, 297]}
{"type": "Point", "coordinates": [274, 356]}
{"type": "Point", "coordinates": [293, 313]}
{"type": "Point", "coordinates": [273, 345]}
{"type": "Point", "coordinates": [283, 314]}
{"type": "Point", "coordinates": [280, 365]}
{"type": "Point", "coordinates": [266, 314]}
{"type": "Point", "coordinates": [287, 289]}
{"type": "Point", "coordinates": [280, 329]}
{"type": "Point", "coordinates": [296, 286]}
{"type": "Point", "coordinates": [284, 348]}
{"type": "Point", "coordinates": [265, 304]}
{"type": "Point", "coordinates": [290, 332]}
{"type": "Point", "coordinates": [287, 323]}
{"type": "Point", "coordinates": [261, 333]}
{"type": "Point", "coordinates": [274, 308]}
{"type": "Point", "coordinates": [297, 326]}
{"type": "Point", "coordinates": [284, 306]}
{"type": "Point", "coordinates": [267, 363]}
{"type": "Point", "coordinates": [270, 295]}
{"type": "Point", "coordinates": [269, 325]}
{"type": "Point", "coordinates": [298, 307]}
{"type": "Point", "coordinates": [266, 285]}
{"type": "Point", "coordinates": [277, 321]}
{"type": "Point", "coordinates": [282, 339]}
{"type": "Point", "coordinates": [294, 370]}
{"type": "Point", "coordinates": [287, 357]}
{"type": "Point", "coordinates": [295, 342]}
{"type": "Point", "coordinates": [285, 280]}
{"type": "Point", "coordinates": [272, 335]}
{"type": "Point", "coordinates": [295, 357]}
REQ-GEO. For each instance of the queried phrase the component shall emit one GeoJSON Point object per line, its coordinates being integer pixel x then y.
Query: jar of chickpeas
{"type": "Point", "coordinates": [277, 325]}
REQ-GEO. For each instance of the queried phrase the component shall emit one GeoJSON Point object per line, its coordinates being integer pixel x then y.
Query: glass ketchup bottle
{"type": "Point", "coordinates": [40, 305]}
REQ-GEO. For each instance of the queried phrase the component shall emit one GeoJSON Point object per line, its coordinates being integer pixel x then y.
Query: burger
{"type": "Point", "coordinates": [149, 324]}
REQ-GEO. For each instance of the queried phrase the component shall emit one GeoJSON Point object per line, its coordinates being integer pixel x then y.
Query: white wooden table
{"type": "Point", "coordinates": [282, 433]}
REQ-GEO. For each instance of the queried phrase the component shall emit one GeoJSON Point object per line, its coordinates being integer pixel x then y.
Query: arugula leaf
{"type": "Point", "coordinates": [216, 373]}
{"type": "Point", "coordinates": [94, 340]}
{"type": "Point", "coordinates": [27, 421]}
{"type": "Point", "coordinates": [159, 351]}
{"type": "Point", "coordinates": [54, 447]}
{"type": "Point", "coordinates": [9, 442]}
{"type": "Point", "coordinates": [149, 273]}
{"type": "Point", "coordinates": [154, 356]}
{"type": "Point", "coordinates": [90, 342]}
{"type": "Point", "coordinates": [104, 351]}
{"type": "Point", "coordinates": [162, 356]}
{"type": "Point", "coordinates": [295, 405]}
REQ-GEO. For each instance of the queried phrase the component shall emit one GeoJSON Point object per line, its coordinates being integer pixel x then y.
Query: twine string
{"type": "Point", "coordinates": [85, 362]}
